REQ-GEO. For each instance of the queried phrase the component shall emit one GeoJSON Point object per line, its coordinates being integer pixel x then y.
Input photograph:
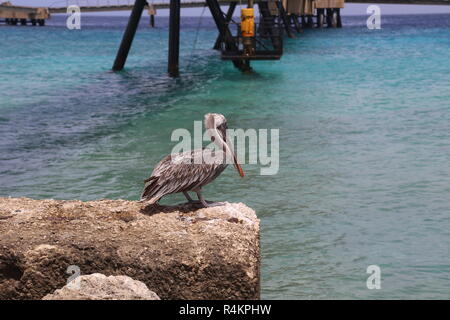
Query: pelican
{"type": "Point", "coordinates": [179, 172]}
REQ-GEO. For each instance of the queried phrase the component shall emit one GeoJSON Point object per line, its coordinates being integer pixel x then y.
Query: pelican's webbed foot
{"type": "Point", "coordinates": [213, 204]}
{"type": "Point", "coordinates": [207, 204]}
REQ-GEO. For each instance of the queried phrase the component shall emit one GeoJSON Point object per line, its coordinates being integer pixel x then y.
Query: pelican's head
{"type": "Point", "coordinates": [216, 124]}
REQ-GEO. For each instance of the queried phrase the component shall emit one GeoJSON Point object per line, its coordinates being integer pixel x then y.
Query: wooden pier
{"type": "Point", "coordinates": [201, 3]}
{"type": "Point", "coordinates": [264, 42]}
{"type": "Point", "coordinates": [15, 15]}
{"type": "Point", "coordinates": [306, 9]}
{"type": "Point", "coordinates": [240, 42]}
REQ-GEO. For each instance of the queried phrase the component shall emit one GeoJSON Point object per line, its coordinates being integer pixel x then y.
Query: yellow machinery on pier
{"type": "Point", "coordinates": [250, 42]}
{"type": "Point", "coordinates": [248, 30]}
{"type": "Point", "coordinates": [248, 22]}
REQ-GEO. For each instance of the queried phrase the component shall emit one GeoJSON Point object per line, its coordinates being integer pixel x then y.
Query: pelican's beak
{"type": "Point", "coordinates": [238, 166]}
{"type": "Point", "coordinates": [235, 161]}
{"type": "Point", "coordinates": [222, 141]}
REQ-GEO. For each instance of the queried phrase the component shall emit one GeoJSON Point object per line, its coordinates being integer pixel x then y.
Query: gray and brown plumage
{"type": "Point", "coordinates": [179, 172]}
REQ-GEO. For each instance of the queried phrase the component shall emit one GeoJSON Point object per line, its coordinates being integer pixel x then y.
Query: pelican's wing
{"type": "Point", "coordinates": [178, 172]}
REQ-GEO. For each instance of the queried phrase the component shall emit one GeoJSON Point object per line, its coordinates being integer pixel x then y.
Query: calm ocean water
{"type": "Point", "coordinates": [364, 119]}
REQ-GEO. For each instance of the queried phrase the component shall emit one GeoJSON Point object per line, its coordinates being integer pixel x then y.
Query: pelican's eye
{"type": "Point", "coordinates": [222, 126]}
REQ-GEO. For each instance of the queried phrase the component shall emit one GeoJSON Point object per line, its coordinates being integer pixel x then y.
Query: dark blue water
{"type": "Point", "coordinates": [364, 139]}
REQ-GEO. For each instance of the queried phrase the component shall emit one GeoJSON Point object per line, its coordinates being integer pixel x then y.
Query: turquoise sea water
{"type": "Point", "coordinates": [364, 119]}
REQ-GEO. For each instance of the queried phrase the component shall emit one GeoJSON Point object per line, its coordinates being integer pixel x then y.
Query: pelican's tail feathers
{"type": "Point", "coordinates": [150, 192]}
{"type": "Point", "coordinates": [150, 201]}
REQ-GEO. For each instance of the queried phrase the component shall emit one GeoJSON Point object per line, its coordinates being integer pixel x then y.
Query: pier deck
{"type": "Point", "coordinates": [164, 4]}
{"type": "Point", "coordinates": [13, 14]}
{"type": "Point", "coordinates": [19, 14]}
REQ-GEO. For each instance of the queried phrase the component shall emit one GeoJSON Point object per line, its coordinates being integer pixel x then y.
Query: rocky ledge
{"type": "Point", "coordinates": [97, 286]}
{"type": "Point", "coordinates": [180, 252]}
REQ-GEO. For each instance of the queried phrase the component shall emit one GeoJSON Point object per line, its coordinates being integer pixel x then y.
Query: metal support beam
{"type": "Point", "coordinates": [303, 20]}
{"type": "Point", "coordinates": [339, 21]}
{"type": "Point", "coordinates": [267, 19]}
{"type": "Point", "coordinates": [128, 36]}
{"type": "Point", "coordinates": [268, 23]}
{"type": "Point", "coordinates": [228, 18]}
{"type": "Point", "coordinates": [329, 18]}
{"type": "Point", "coordinates": [297, 25]}
{"type": "Point", "coordinates": [320, 18]}
{"type": "Point", "coordinates": [225, 33]}
{"type": "Point", "coordinates": [334, 18]}
{"type": "Point", "coordinates": [309, 23]}
{"type": "Point", "coordinates": [285, 19]}
{"type": "Point", "coordinates": [174, 38]}
{"type": "Point", "coordinates": [152, 20]}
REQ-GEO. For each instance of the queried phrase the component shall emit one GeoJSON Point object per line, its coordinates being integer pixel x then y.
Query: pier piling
{"type": "Point", "coordinates": [152, 20]}
{"type": "Point", "coordinates": [152, 13]}
{"type": "Point", "coordinates": [174, 38]}
{"type": "Point", "coordinates": [339, 21]}
{"type": "Point", "coordinates": [128, 36]}
{"type": "Point", "coordinates": [320, 18]}
{"type": "Point", "coordinates": [329, 17]}
{"type": "Point", "coordinates": [310, 21]}
{"type": "Point", "coordinates": [297, 25]}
